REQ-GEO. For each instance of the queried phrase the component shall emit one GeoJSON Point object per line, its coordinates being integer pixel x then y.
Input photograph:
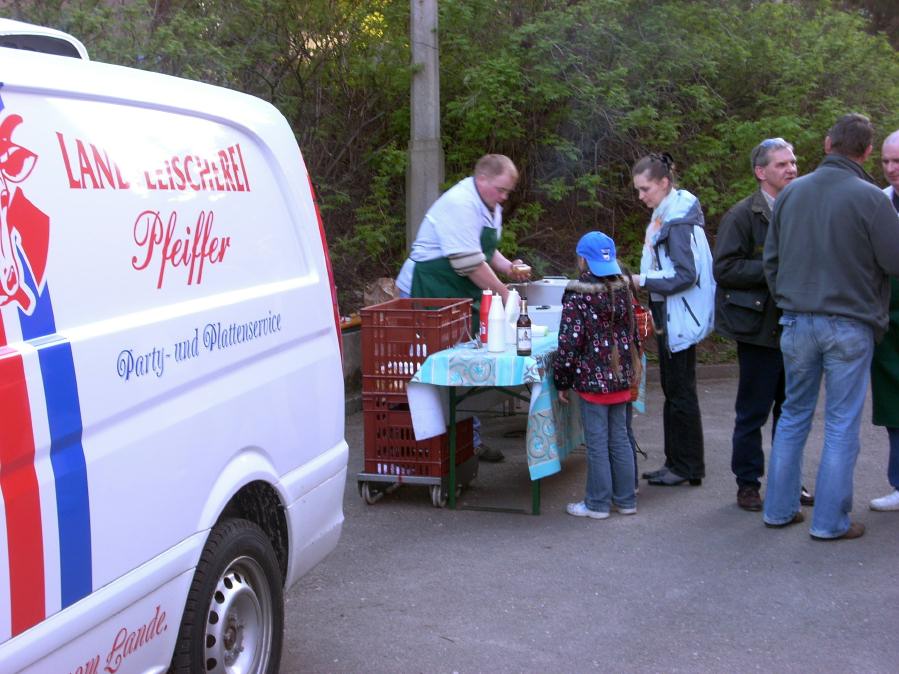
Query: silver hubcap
{"type": "Point", "coordinates": [239, 624]}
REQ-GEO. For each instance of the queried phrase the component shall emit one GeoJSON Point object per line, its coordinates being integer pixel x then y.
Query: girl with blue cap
{"type": "Point", "coordinates": [598, 358]}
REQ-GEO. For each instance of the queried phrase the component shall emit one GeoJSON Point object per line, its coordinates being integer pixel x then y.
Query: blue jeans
{"type": "Point", "coordinates": [610, 458]}
{"type": "Point", "coordinates": [840, 349]}
{"type": "Point", "coordinates": [893, 466]}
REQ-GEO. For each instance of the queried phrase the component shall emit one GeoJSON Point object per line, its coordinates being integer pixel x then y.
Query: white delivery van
{"type": "Point", "coordinates": [172, 452]}
{"type": "Point", "coordinates": [20, 35]}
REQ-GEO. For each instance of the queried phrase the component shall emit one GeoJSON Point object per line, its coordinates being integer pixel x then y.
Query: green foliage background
{"type": "Point", "coordinates": [574, 91]}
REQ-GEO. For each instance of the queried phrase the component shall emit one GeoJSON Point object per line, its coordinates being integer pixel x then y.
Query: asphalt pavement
{"type": "Point", "coordinates": [691, 583]}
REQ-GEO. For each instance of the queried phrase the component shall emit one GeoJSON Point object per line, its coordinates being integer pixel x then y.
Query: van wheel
{"type": "Point", "coordinates": [234, 616]}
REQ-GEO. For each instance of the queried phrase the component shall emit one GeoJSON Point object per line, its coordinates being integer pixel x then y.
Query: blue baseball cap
{"type": "Point", "coordinates": [599, 252]}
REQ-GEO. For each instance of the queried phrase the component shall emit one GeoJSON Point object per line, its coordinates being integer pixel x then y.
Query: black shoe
{"type": "Point", "coordinates": [672, 479]}
{"type": "Point", "coordinates": [489, 454]}
{"type": "Point", "coordinates": [654, 474]}
{"type": "Point", "coordinates": [748, 498]}
{"type": "Point", "coordinates": [805, 497]}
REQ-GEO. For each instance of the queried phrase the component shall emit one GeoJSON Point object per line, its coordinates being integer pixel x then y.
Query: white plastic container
{"type": "Point", "coordinates": [545, 314]}
{"type": "Point", "coordinates": [546, 291]}
{"type": "Point", "coordinates": [513, 310]}
{"type": "Point", "coordinates": [496, 326]}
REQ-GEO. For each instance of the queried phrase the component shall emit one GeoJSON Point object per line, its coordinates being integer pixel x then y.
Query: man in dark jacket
{"type": "Point", "coordinates": [745, 312]}
{"type": "Point", "coordinates": [831, 246]}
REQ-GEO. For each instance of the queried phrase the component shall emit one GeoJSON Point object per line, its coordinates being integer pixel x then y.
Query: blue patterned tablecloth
{"type": "Point", "coordinates": [553, 429]}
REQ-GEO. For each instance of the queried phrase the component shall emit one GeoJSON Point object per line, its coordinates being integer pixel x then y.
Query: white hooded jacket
{"type": "Point", "coordinates": [678, 267]}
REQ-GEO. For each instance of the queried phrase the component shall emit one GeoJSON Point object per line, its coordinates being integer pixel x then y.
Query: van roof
{"type": "Point", "coordinates": [69, 78]}
{"type": "Point", "coordinates": [93, 80]}
{"type": "Point", "coordinates": [21, 35]}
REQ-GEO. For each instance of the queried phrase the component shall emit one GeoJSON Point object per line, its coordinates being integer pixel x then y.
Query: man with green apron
{"type": "Point", "coordinates": [455, 252]}
{"type": "Point", "coordinates": [885, 364]}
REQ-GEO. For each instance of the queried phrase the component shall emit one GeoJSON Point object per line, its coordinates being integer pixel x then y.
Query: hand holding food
{"type": "Point", "coordinates": [519, 271]}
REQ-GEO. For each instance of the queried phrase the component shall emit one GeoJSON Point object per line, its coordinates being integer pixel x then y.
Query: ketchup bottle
{"type": "Point", "coordinates": [486, 299]}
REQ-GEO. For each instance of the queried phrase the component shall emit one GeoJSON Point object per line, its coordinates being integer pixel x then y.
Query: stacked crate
{"type": "Point", "coordinates": [397, 337]}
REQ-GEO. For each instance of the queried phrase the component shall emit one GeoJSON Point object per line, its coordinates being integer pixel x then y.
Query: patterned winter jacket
{"type": "Point", "coordinates": [598, 345]}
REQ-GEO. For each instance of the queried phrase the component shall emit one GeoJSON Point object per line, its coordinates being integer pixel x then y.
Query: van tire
{"type": "Point", "coordinates": [234, 615]}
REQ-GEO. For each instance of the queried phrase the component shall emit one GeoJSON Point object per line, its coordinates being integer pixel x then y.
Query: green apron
{"type": "Point", "coordinates": [436, 278]}
{"type": "Point", "coordinates": [885, 368]}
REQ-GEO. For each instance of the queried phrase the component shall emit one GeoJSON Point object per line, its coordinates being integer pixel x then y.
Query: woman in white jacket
{"type": "Point", "coordinates": [676, 270]}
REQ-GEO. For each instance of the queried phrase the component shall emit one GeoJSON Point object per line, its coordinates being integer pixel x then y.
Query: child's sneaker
{"type": "Point", "coordinates": [581, 510]}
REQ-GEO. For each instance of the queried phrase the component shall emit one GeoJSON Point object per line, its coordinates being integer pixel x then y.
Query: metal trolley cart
{"type": "Point", "coordinates": [397, 337]}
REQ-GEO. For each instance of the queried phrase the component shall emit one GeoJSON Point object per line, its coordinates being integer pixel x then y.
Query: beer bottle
{"type": "Point", "coordinates": [523, 331]}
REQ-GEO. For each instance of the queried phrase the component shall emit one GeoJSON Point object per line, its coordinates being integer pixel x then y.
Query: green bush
{"type": "Point", "coordinates": [573, 91]}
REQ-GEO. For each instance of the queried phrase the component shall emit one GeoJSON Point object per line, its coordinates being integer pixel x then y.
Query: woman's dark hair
{"type": "Point", "coordinates": [658, 165]}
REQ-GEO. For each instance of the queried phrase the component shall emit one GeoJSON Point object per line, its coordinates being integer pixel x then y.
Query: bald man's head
{"type": "Point", "coordinates": [889, 159]}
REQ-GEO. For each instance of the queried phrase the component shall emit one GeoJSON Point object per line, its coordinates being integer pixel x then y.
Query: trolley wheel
{"type": "Point", "coordinates": [368, 495]}
{"type": "Point", "coordinates": [438, 496]}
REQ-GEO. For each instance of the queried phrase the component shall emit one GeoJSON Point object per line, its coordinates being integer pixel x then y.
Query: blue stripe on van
{"type": "Point", "coordinates": [66, 450]}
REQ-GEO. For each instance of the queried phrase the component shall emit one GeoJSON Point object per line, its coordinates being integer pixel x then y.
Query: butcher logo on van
{"type": "Point", "coordinates": [24, 228]}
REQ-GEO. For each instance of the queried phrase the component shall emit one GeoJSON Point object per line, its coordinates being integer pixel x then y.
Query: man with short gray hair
{"type": "Point", "coordinates": [745, 312]}
{"type": "Point", "coordinates": [832, 244]}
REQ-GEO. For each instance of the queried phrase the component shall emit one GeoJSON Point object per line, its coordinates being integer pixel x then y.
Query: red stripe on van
{"type": "Point", "coordinates": [321, 232]}
{"type": "Point", "coordinates": [18, 482]}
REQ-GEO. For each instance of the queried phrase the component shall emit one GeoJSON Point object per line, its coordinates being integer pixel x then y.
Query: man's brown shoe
{"type": "Point", "coordinates": [748, 498]}
{"type": "Point", "coordinates": [855, 530]}
{"type": "Point", "coordinates": [797, 518]}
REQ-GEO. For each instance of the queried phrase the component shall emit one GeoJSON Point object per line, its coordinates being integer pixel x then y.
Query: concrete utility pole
{"type": "Point", "coordinates": [425, 167]}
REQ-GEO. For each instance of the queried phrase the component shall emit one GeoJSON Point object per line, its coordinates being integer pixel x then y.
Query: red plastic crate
{"type": "Point", "coordinates": [391, 447]}
{"type": "Point", "coordinates": [397, 337]}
